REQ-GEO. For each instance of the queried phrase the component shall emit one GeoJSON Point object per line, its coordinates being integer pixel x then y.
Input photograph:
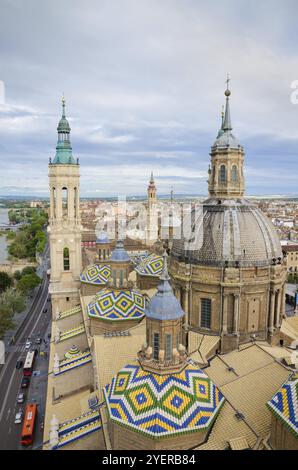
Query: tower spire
{"type": "Point", "coordinates": [227, 126]}
{"type": "Point", "coordinates": [63, 106]}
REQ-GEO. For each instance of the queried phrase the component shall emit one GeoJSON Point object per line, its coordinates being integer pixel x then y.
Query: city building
{"type": "Point", "coordinates": [144, 359]}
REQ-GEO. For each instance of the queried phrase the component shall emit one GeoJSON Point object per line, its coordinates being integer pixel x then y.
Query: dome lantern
{"type": "Point", "coordinates": [226, 179]}
{"type": "Point", "coordinates": [63, 148]}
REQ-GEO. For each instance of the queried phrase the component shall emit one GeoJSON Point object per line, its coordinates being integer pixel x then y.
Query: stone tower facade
{"type": "Point", "coordinates": [151, 232]}
{"type": "Point", "coordinates": [229, 272]}
{"type": "Point", "coordinates": [64, 223]}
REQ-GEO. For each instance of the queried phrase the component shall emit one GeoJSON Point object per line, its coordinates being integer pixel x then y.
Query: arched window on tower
{"type": "Point", "coordinates": [64, 201]}
{"type": "Point", "coordinates": [66, 263]}
{"type": "Point", "coordinates": [222, 174]}
{"type": "Point", "coordinates": [54, 193]}
{"type": "Point", "coordinates": [234, 174]}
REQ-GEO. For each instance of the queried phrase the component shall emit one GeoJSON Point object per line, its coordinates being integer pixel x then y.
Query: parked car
{"type": "Point", "coordinates": [19, 417]}
{"type": "Point", "coordinates": [25, 382]}
{"type": "Point", "coordinates": [21, 398]}
{"type": "Point", "coordinates": [28, 344]}
{"type": "Point", "coordinates": [45, 310]}
{"type": "Point", "coordinates": [38, 340]}
{"type": "Point", "coordinates": [19, 364]}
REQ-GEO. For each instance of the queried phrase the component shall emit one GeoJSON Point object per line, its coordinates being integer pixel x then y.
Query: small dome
{"type": "Point", "coordinates": [72, 352]}
{"type": "Point", "coordinates": [233, 232]}
{"type": "Point", "coordinates": [102, 238]}
{"type": "Point", "coordinates": [96, 275]}
{"type": "Point", "coordinates": [225, 139]}
{"type": "Point", "coordinates": [63, 125]}
{"type": "Point", "coordinates": [117, 305]}
{"type": "Point", "coordinates": [163, 405]}
{"type": "Point", "coordinates": [164, 305]}
{"type": "Point", "coordinates": [120, 254]}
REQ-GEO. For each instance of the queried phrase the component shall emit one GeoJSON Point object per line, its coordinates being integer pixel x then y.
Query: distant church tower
{"type": "Point", "coordinates": [151, 191]}
{"type": "Point", "coordinates": [65, 224]}
{"type": "Point", "coordinates": [152, 214]}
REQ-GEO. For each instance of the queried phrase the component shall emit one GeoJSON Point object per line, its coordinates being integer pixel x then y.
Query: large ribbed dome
{"type": "Point", "coordinates": [229, 233]}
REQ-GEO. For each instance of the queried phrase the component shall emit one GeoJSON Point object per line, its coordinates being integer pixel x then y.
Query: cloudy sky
{"type": "Point", "coordinates": [144, 84]}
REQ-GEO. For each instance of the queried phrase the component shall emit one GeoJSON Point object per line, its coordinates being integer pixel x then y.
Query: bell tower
{"type": "Point", "coordinates": [64, 224]}
{"type": "Point", "coordinates": [151, 233]}
{"type": "Point", "coordinates": [226, 179]}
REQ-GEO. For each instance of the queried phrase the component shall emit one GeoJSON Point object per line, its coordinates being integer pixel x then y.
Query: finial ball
{"type": "Point", "coordinates": [227, 92]}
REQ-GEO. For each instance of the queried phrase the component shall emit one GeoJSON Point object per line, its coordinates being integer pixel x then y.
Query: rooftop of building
{"type": "Point", "coordinates": [284, 405]}
{"type": "Point", "coordinates": [117, 304]}
{"type": "Point", "coordinates": [96, 274]}
{"type": "Point", "coordinates": [248, 378]}
{"type": "Point", "coordinates": [150, 265]}
{"type": "Point", "coordinates": [160, 406]}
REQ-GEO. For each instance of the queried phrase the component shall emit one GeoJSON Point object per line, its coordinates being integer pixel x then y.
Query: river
{"type": "Point", "coordinates": [3, 243]}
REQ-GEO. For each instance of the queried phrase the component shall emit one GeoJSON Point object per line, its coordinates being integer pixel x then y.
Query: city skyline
{"type": "Point", "coordinates": [142, 97]}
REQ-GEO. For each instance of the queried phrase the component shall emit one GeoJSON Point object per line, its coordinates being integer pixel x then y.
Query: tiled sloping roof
{"type": "Point", "coordinates": [96, 275]}
{"type": "Point", "coordinates": [284, 405]}
{"type": "Point", "coordinates": [78, 361]}
{"type": "Point", "coordinates": [150, 266]}
{"type": "Point", "coordinates": [115, 305]}
{"type": "Point", "coordinates": [71, 311]}
{"type": "Point", "coordinates": [163, 405]}
{"type": "Point", "coordinates": [78, 330]}
{"type": "Point", "coordinates": [78, 427]}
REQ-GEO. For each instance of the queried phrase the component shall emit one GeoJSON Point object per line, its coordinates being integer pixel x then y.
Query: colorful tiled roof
{"type": "Point", "coordinates": [284, 405]}
{"type": "Point", "coordinates": [112, 304]}
{"type": "Point", "coordinates": [162, 405]}
{"type": "Point", "coordinates": [150, 266]}
{"type": "Point", "coordinates": [72, 352]}
{"type": "Point", "coordinates": [78, 427]}
{"type": "Point", "coordinates": [69, 364]}
{"type": "Point", "coordinates": [96, 275]}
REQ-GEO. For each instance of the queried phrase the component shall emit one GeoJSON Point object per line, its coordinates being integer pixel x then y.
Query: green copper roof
{"type": "Point", "coordinates": [63, 148]}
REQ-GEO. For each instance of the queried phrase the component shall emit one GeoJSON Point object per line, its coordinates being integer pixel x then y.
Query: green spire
{"type": "Point", "coordinates": [63, 148]}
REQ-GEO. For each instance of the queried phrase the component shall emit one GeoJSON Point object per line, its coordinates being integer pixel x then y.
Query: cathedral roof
{"type": "Point", "coordinates": [96, 274]}
{"type": "Point", "coordinates": [284, 405]}
{"type": "Point", "coordinates": [164, 305]}
{"type": "Point", "coordinates": [150, 265]}
{"type": "Point", "coordinates": [228, 232]}
{"type": "Point", "coordinates": [117, 305]}
{"type": "Point", "coordinates": [163, 405]}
